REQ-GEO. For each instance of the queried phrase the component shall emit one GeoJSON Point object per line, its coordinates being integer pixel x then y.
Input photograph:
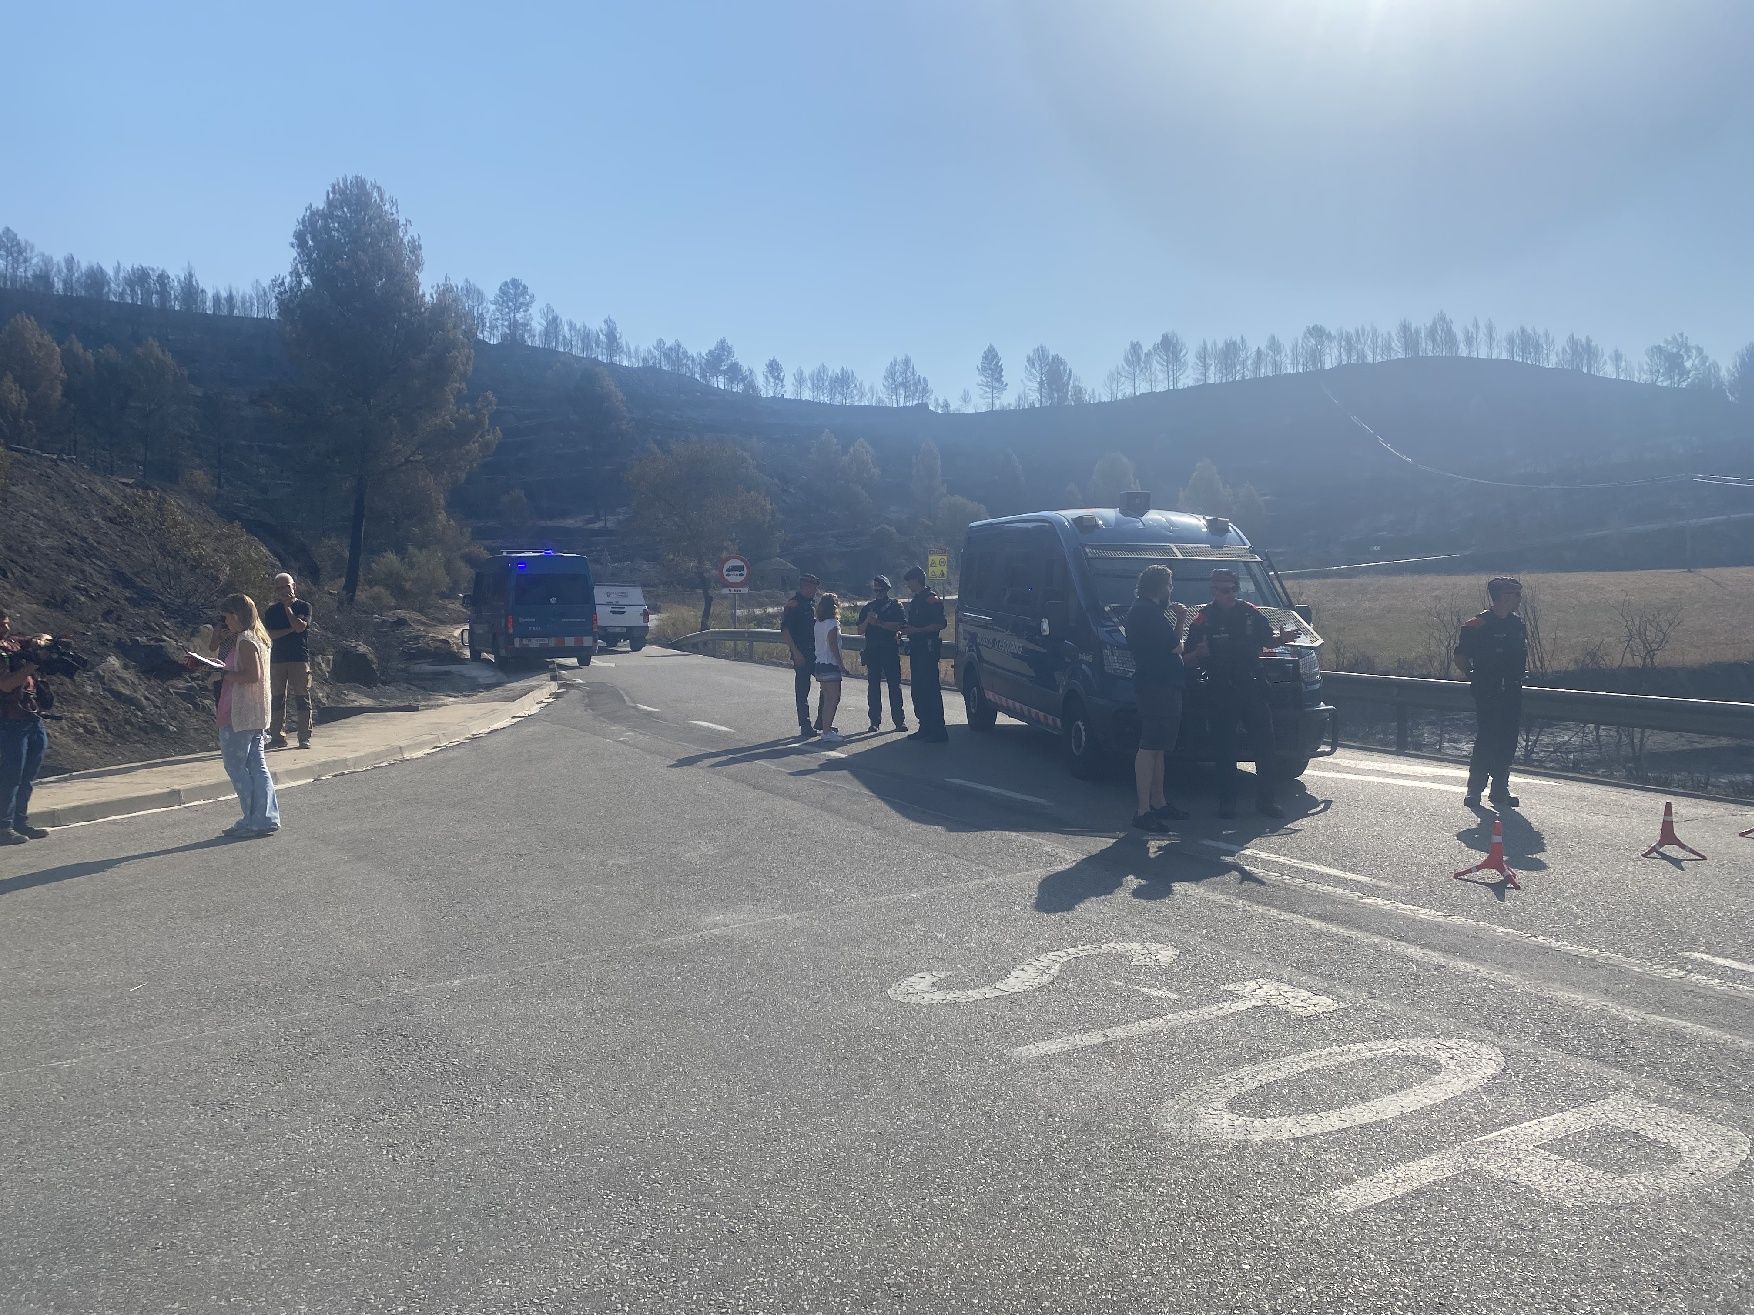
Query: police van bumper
{"type": "Point", "coordinates": [1318, 731]}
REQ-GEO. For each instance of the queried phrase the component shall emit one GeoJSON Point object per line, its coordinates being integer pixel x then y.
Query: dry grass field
{"type": "Point", "coordinates": [1397, 623]}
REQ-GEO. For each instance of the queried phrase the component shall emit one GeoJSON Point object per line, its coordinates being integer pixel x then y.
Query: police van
{"type": "Point", "coordinates": [1039, 629]}
{"type": "Point", "coordinates": [533, 605]}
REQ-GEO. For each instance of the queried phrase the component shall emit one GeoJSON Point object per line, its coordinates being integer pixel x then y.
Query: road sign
{"type": "Point", "coordinates": [938, 566]}
{"type": "Point", "coordinates": [734, 571]}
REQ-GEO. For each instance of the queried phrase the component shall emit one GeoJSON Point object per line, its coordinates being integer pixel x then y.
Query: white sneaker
{"type": "Point", "coordinates": [832, 736]}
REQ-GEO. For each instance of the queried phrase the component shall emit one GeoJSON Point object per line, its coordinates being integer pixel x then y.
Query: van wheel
{"type": "Point", "coordinates": [498, 654]}
{"type": "Point", "coordinates": [1084, 756]}
{"type": "Point", "coordinates": [1290, 766]}
{"type": "Point", "coordinates": [635, 645]}
{"type": "Point", "coordinates": [982, 716]}
{"type": "Point", "coordinates": [585, 659]}
{"type": "Point", "coordinates": [474, 648]}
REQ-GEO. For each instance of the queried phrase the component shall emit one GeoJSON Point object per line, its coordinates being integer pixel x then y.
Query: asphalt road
{"type": "Point", "coordinates": [638, 1005]}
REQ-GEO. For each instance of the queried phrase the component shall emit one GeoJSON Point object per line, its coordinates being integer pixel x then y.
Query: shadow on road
{"type": "Point", "coordinates": [96, 866]}
{"type": "Point", "coordinates": [1159, 867]}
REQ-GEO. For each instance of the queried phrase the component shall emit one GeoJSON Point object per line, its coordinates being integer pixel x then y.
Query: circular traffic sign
{"type": "Point", "coordinates": [734, 571]}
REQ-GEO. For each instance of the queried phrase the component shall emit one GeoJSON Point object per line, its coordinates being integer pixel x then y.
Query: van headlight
{"type": "Point", "coordinates": [1117, 661]}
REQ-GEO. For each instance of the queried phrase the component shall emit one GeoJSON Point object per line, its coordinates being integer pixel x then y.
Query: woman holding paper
{"type": "Point", "coordinates": [244, 705]}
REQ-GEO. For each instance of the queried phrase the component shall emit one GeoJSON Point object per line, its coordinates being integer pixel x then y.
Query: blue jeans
{"type": "Point", "coordinates": [22, 743]}
{"type": "Point", "coordinates": [246, 763]}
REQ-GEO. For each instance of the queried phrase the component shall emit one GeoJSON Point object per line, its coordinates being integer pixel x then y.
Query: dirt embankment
{"type": "Point", "coordinates": [129, 574]}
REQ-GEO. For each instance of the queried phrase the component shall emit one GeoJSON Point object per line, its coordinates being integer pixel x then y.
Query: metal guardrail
{"type": "Point", "coordinates": [1647, 712]}
{"type": "Point", "coordinates": [705, 638]}
{"type": "Point", "coordinates": [1406, 694]}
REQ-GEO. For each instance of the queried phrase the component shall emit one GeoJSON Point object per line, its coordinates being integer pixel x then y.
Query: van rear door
{"type": "Point", "coordinates": [551, 604]}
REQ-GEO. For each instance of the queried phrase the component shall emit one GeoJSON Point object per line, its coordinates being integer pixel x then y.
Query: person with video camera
{"type": "Point", "coordinates": [23, 737]}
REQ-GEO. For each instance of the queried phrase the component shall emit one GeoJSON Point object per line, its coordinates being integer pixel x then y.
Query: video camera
{"type": "Point", "coordinates": [51, 655]}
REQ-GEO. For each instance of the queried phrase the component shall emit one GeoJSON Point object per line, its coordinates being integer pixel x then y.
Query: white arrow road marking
{"type": "Point", "coordinates": [1277, 995]}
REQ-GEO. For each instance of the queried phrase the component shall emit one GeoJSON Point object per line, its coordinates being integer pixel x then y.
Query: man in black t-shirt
{"type": "Point", "coordinates": [288, 622]}
{"type": "Point", "coordinates": [798, 624]}
{"type": "Point", "coordinates": [880, 622]}
{"type": "Point", "coordinates": [1225, 640]}
{"type": "Point", "coordinates": [1492, 651]}
{"type": "Point", "coordinates": [926, 621]}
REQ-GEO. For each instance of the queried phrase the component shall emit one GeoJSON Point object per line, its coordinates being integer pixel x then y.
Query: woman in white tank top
{"type": "Point", "coordinates": [828, 669]}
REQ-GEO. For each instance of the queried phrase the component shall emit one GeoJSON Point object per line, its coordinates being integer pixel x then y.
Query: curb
{"type": "Point", "coordinates": [493, 717]}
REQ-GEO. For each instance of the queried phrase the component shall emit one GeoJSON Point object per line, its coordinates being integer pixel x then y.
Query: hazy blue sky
{"type": "Point", "coordinates": [841, 183]}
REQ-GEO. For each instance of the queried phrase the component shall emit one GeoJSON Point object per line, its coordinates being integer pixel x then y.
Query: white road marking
{"type": "Point", "coordinates": [833, 753]}
{"type": "Point", "coordinates": [1410, 768]}
{"type": "Point", "coordinates": [643, 708]}
{"type": "Point", "coordinates": [995, 790]}
{"type": "Point", "coordinates": [1407, 781]}
{"type": "Point", "coordinates": [713, 726]}
{"type": "Point", "coordinates": [1737, 964]}
{"type": "Point", "coordinates": [1204, 1110]}
{"type": "Point", "coordinates": [1643, 967]}
{"type": "Point", "coordinates": [1291, 999]}
{"type": "Point", "coordinates": [1707, 1151]}
{"type": "Point", "coordinates": [601, 663]}
{"type": "Point", "coordinates": [1030, 975]}
{"type": "Point", "coordinates": [1242, 852]}
{"type": "Point", "coordinates": [1502, 976]}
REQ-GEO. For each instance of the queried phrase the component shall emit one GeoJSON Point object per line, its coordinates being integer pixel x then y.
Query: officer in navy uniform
{"type": "Point", "coordinates": [925, 630]}
{"type": "Point", "coordinates": [880, 622]}
{"type": "Point", "coordinates": [1492, 652]}
{"type": "Point", "coordinates": [798, 624]}
{"type": "Point", "coordinates": [1225, 640]}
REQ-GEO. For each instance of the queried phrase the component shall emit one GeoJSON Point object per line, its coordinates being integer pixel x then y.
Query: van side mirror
{"type": "Point", "coordinates": [1055, 618]}
{"type": "Point", "coordinates": [468, 599]}
{"type": "Point", "coordinates": [1305, 613]}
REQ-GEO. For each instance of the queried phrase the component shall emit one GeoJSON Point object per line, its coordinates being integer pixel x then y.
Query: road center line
{"type": "Point", "coordinates": [713, 726]}
{"type": "Point", "coordinates": [1241, 852]}
{"type": "Point", "coordinates": [995, 790]}
{"type": "Point", "coordinates": [1503, 976]}
{"type": "Point", "coordinates": [1737, 964]}
{"type": "Point", "coordinates": [1643, 967]}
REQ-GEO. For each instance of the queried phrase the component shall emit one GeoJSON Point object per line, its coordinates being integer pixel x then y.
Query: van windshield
{"type": "Point", "coordinates": [547, 590]}
{"type": "Point", "coordinates": [1117, 577]}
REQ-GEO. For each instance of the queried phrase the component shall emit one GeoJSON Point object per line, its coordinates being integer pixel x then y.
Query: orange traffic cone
{"type": "Point", "coordinates": [1494, 860]}
{"type": "Point", "coordinates": [1668, 836]}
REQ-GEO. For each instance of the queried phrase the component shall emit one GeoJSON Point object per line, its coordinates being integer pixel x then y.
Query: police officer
{"type": "Point", "coordinates": [23, 739]}
{"type": "Point", "coordinates": [1492, 652]}
{"type": "Point", "coordinates": [925, 630]}
{"type": "Point", "coordinates": [798, 624]}
{"type": "Point", "coordinates": [1225, 640]}
{"type": "Point", "coordinates": [880, 622]}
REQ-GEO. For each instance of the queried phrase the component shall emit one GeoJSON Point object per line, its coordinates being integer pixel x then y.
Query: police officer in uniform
{"type": "Point", "coordinates": [880, 622]}
{"type": "Point", "coordinates": [1492, 652]}
{"type": "Point", "coordinates": [925, 630]}
{"type": "Point", "coordinates": [798, 624]}
{"type": "Point", "coordinates": [1225, 640]}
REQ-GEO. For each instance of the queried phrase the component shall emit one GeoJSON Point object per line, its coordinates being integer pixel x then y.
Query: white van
{"type": "Point", "coordinates": [622, 614]}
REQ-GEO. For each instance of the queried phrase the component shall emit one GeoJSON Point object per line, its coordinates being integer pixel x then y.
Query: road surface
{"type": "Point", "coordinates": [640, 1006]}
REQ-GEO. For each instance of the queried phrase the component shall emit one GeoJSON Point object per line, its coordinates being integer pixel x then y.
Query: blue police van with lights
{"type": "Point", "coordinates": [1039, 629]}
{"type": "Point", "coordinates": [533, 605]}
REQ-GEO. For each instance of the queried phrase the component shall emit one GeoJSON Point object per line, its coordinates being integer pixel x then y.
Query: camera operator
{"type": "Point", "coordinates": [23, 739]}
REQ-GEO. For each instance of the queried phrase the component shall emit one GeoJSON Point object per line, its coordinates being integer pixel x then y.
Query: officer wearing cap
{"type": "Point", "coordinates": [798, 624]}
{"type": "Point", "coordinates": [880, 622]}
{"type": "Point", "coordinates": [925, 630]}
{"type": "Point", "coordinates": [1225, 640]}
{"type": "Point", "coordinates": [1492, 652]}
